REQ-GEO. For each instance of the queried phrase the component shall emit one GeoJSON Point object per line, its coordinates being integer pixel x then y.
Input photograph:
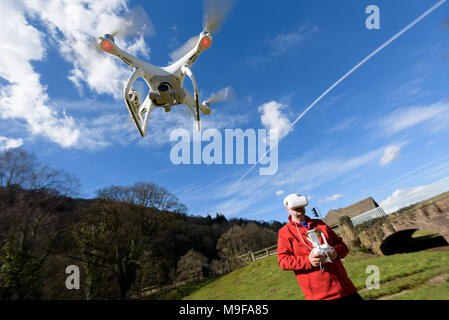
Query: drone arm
{"type": "Point", "coordinates": [186, 70]}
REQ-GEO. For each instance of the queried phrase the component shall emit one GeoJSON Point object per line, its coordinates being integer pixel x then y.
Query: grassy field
{"type": "Point", "coordinates": [418, 275]}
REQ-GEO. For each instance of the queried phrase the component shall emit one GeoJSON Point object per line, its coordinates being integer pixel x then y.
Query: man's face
{"type": "Point", "coordinates": [297, 212]}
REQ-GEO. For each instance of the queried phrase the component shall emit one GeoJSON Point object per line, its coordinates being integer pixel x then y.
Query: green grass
{"type": "Point", "coordinates": [264, 280]}
{"type": "Point", "coordinates": [423, 233]}
{"type": "Point", "coordinates": [261, 280]}
{"type": "Point", "coordinates": [180, 292]}
{"type": "Point", "coordinates": [438, 291]}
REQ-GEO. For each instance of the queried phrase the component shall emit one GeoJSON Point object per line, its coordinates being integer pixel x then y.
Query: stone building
{"type": "Point", "coordinates": [351, 211]}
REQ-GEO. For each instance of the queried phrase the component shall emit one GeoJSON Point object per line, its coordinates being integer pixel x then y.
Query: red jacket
{"type": "Point", "coordinates": [333, 281]}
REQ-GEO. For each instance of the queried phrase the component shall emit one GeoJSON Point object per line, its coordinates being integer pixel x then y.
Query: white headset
{"type": "Point", "coordinates": [293, 201]}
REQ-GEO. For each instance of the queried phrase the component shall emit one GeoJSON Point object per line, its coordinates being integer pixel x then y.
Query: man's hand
{"type": "Point", "coordinates": [333, 254]}
{"type": "Point", "coordinates": [314, 259]}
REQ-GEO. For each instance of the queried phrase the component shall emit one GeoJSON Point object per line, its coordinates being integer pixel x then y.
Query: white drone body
{"type": "Point", "coordinates": [165, 83]}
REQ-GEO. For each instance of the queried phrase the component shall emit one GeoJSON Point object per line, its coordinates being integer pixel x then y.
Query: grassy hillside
{"type": "Point", "coordinates": [419, 275]}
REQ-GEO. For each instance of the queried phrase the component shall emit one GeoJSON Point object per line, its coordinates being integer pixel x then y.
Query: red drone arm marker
{"type": "Point", "coordinates": [206, 43]}
{"type": "Point", "coordinates": [106, 46]}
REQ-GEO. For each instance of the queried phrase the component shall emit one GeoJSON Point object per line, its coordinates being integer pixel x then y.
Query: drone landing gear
{"type": "Point", "coordinates": [186, 70]}
{"type": "Point", "coordinates": [139, 113]}
{"type": "Point", "coordinates": [135, 103]}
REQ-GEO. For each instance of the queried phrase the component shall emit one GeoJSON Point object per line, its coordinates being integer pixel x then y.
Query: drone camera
{"type": "Point", "coordinates": [164, 94]}
{"type": "Point", "coordinates": [164, 88]}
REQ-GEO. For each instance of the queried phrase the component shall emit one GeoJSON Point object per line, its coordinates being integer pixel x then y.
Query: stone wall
{"type": "Point", "coordinates": [432, 215]}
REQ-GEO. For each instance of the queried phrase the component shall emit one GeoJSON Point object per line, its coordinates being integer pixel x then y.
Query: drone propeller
{"type": "Point", "coordinates": [135, 22]}
{"type": "Point", "coordinates": [215, 12]}
{"type": "Point", "coordinates": [225, 94]}
{"type": "Point", "coordinates": [186, 47]}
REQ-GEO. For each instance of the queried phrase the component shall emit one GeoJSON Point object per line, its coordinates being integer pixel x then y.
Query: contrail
{"type": "Point", "coordinates": [361, 63]}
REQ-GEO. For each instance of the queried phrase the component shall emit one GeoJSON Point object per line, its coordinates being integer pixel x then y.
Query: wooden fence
{"type": "Point", "coordinates": [154, 289]}
{"type": "Point", "coordinates": [257, 255]}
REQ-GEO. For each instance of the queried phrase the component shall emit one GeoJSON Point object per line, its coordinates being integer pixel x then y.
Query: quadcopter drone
{"type": "Point", "coordinates": [167, 83]}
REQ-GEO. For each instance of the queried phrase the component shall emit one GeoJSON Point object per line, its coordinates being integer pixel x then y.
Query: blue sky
{"type": "Point", "coordinates": [62, 100]}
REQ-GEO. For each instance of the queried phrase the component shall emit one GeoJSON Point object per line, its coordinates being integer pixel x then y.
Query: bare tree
{"type": "Point", "coordinates": [190, 265]}
{"type": "Point", "coordinates": [241, 239]}
{"type": "Point", "coordinates": [16, 167]}
{"type": "Point", "coordinates": [152, 196]}
{"type": "Point", "coordinates": [145, 194]}
{"type": "Point", "coordinates": [20, 168]}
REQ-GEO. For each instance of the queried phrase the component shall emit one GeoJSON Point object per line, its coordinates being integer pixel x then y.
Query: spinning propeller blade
{"type": "Point", "coordinates": [135, 22]}
{"type": "Point", "coordinates": [225, 94]}
{"type": "Point", "coordinates": [215, 13]}
{"type": "Point", "coordinates": [186, 47]}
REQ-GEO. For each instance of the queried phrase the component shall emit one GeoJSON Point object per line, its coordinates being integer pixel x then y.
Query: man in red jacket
{"type": "Point", "coordinates": [318, 278]}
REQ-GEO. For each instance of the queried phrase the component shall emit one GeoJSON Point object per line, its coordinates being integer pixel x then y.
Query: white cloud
{"type": "Point", "coordinates": [75, 26]}
{"type": "Point", "coordinates": [272, 118]}
{"type": "Point", "coordinates": [256, 60]}
{"type": "Point", "coordinates": [72, 27]}
{"type": "Point", "coordinates": [280, 192]}
{"type": "Point", "coordinates": [402, 198]}
{"type": "Point", "coordinates": [307, 172]}
{"type": "Point", "coordinates": [24, 97]}
{"type": "Point", "coordinates": [282, 44]}
{"type": "Point", "coordinates": [332, 198]}
{"type": "Point", "coordinates": [343, 125]}
{"type": "Point", "coordinates": [139, 47]}
{"type": "Point", "coordinates": [434, 116]}
{"type": "Point", "coordinates": [285, 42]}
{"type": "Point", "coordinates": [174, 42]}
{"type": "Point", "coordinates": [9, 143]}
{"type": "Point", "coordinates": [284, 182]}
{"type": "Point", "coordinates": [390, 154]}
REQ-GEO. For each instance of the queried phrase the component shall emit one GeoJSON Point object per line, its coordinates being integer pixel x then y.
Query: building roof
{"type": "Point", "coordinates": [351, 211]}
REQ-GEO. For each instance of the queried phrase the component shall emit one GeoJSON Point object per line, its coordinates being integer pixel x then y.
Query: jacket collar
{"type": "Point", "coordinates": [308, 220]}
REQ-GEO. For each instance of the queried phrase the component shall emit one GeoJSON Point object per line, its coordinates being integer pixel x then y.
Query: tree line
{"type": "Point", "coordinates": [126, 239]}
